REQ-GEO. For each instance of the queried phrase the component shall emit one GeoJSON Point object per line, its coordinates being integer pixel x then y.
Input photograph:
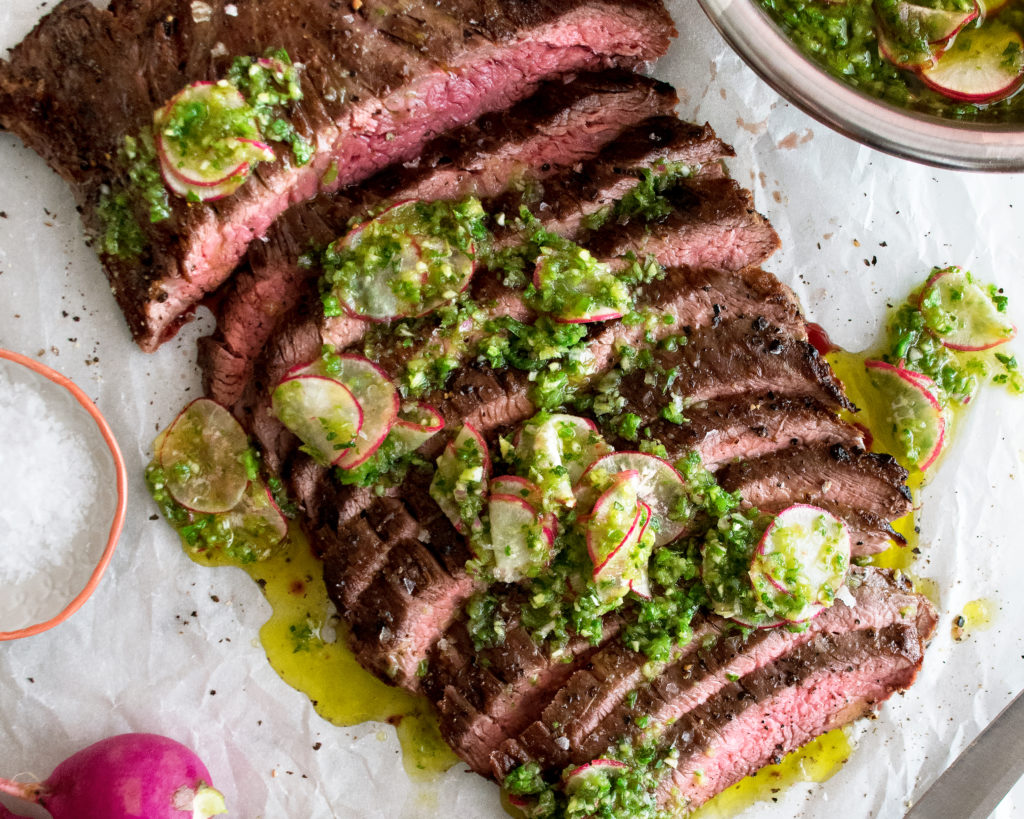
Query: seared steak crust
{"type": "Point", "coordinates": [378, 83]}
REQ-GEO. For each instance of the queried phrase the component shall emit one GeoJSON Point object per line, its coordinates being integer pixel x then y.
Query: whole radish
{"type": "Point", "coordinates": [130, 776]}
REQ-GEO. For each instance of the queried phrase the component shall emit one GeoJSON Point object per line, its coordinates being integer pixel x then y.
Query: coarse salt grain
{"type": "Point", "coordinates": [47, 483]}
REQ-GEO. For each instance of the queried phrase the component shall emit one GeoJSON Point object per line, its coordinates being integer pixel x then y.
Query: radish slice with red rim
{"type": "Point", "coordinates": [911, 57]}
{"type": "Point", "coordinates": [202, 454]}
{"type": "Point", "coordinates": [591, 771]}
{"type": "Point", "coordinates": [929, 24]}
{"type": "Point", "coordinates": [257, 525]}
{"type": "Point", "coordinates": [556, 449]}
{"type": "Point", "coordinates": [983, 65]}
{"type": "Point", "coordinates": [960, 312]}
{"type": "Point", "coordinates": [613, 534]}
{"type": "Point", "coordinates": [415, 425]}
{"type": "Point", "coordinates": [518, 538]}
{"type": "Point", "coordinates": [322, 412]}
{"type": "Point", "coordinates": [916, 425]}
{"type": "Point", "coordinates": [577, 289]}
{"type": "Point", "coordinates": [801, 562]}
{"type": "Point", "coordinates": [378, 397]}
{"type": "Point", "coordinates": [660, 486]}
{"type": "Point", "coordinates": [203, 194]}
{"type": "Point", "coordinates": [461, 480]}
{"type": "Point", "coordinates": [400, 263]}
{"type": "Point", "coordinates": [207, 139]}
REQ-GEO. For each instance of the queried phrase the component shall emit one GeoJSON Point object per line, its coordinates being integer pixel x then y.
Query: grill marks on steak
{"type": "Point", "coordinates": [377, 83]}
{"type": "Point", "coordinates": [562, 124]}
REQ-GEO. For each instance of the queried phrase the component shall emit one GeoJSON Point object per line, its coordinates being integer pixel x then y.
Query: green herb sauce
{"type": "Point", "coordinates": [841, 37]}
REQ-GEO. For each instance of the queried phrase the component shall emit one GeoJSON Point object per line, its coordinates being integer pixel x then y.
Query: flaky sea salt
{"type": "Point", "coordinates": [47, 483]}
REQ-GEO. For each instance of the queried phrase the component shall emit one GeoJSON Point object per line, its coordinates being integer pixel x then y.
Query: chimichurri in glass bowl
{"type": "Point", "coordinates": [955, 58]}
{"type": "Point", "coordinates": [936, 81]}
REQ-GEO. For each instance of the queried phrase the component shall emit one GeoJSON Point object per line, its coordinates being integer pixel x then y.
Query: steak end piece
{"type": "Point", "coordinates": [378, 83]}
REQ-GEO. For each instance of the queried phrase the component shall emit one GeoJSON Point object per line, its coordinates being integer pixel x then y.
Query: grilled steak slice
{"type": "Point", "coordinates": [713, 223]}
{"type": "Point", "coordinates": [744, 427]}
{"type": "Point", "coordinates": [700, 297]}
{"type": "Point", "coordinates": [765, 715]}
{"type": "Point", "coordinates": [618, 164]}
{"type": "Point", "coordinates": [485, 697]}
{"type": "Point", "coordinates": [866, 489]}
{"type": "Point", "coordinates": [562, 124]}
{"type": "Point", "coordinates": [592, 714]}
{"type": "Point", "coordinates": [733, 358]}
{"type": "Point", "coordinates": [569, 202]}
{"type": "Point", "coordinates": [378, 83]}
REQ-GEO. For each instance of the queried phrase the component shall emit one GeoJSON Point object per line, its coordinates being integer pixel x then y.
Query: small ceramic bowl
{"type": "Point", "coordinates": [49, 596]}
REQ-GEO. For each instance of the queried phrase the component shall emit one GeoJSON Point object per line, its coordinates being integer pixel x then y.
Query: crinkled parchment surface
{"type": "Point", "coordinates": [151, 647]}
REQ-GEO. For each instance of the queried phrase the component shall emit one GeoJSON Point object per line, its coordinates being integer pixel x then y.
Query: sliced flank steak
{"type": "Point", "coordinates": [562, 124]}
{"type": "Point", "coordinates": [732, 358]}
{"type": "Point", "coordinates": [277, 282]}
{"type": "Point", "coordinates": [378, 83]}
{"type": "Point", "coordinates": [601, 704]}
{"type": "Point", "coordinates": [744, 427]}
{"type": "Point", "coordinates": [868, 490]}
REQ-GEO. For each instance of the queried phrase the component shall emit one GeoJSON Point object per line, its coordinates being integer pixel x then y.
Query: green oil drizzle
{"type": "Point", "coordinates": [301, 648]}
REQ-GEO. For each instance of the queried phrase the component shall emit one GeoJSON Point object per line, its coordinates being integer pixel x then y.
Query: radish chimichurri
{"type": "Point", "coordinates": [961, 59]}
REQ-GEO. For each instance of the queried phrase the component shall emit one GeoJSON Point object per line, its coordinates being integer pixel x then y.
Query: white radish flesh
{"type": "Point", "coordinates": [202, 455]}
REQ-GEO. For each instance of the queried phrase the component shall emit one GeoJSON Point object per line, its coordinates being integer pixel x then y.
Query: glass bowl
{"type": "Point", "coordinates": [920, 137]}
{"type": "Point", "coordinates": [46, 589]}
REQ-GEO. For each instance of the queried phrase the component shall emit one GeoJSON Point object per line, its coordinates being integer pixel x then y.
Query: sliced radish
{"type": "Point", "coordinates": [219, 158]}
{"type": "Point", "coordinates": [202, 194]}
{"type": "Point", "coordinates": [661, 487]}
{"type": "Point", "coordinates": [924, 381]}
{"type": "Point", "coordinates": [322, 412]}
{"type": "Point", "coordinates": [257, 523]}
{"type": "Point", "coordinates": [983, 65]}
{"type": "Point", "coordinates": [639, 581]}
{"type": "Point", "coordinates": [615, 519]}
{"type": "Point", "coordinates": [933, 25]}
{"type": "Point", "coordinates": [916, 422]}
{"type": "Point", "coordinates": [801, 562]}
{"type": "Point", "coordinates": [529, 491]}
{"type": "Point", "coordinates": [758, 622]}
{"type": "Point", "coordinates": [519, 487]}
{"type": "Point", "coordinates": [460, 483]}
{"type": "Point", "coordinates": [585, 774]}
{"type": "Point", "coordinates": [395, 265]}
{"type": "Point", "coordinates": [415, 425]}
{"type": "Point", "coordinates": [959, 312]}
{"type": "Point", "coordinates": [557, 449]}
{"type": "Point", "coordinates": [519, 541]}
{"type": "Point", "coordinates": [379, 399]}
{"type": "Point", "coordinates": [910, 57]}
{"type": "Point", "coordinates": [578, 288]}
{"type": "Point", "coordinates": [613, 537]}
{"type": "Point", "coordinates": [202, 454]}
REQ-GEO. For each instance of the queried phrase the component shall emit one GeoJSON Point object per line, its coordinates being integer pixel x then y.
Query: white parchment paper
{"type": "Point", "coordinates": [151, 651]}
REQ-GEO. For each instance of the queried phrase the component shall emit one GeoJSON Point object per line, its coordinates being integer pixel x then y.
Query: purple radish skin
{"type": "Point", "coordinates": [129, 776]}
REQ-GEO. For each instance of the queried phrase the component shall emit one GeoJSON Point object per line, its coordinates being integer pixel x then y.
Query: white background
{"type": "Point", "coordinates": [136, 659]}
